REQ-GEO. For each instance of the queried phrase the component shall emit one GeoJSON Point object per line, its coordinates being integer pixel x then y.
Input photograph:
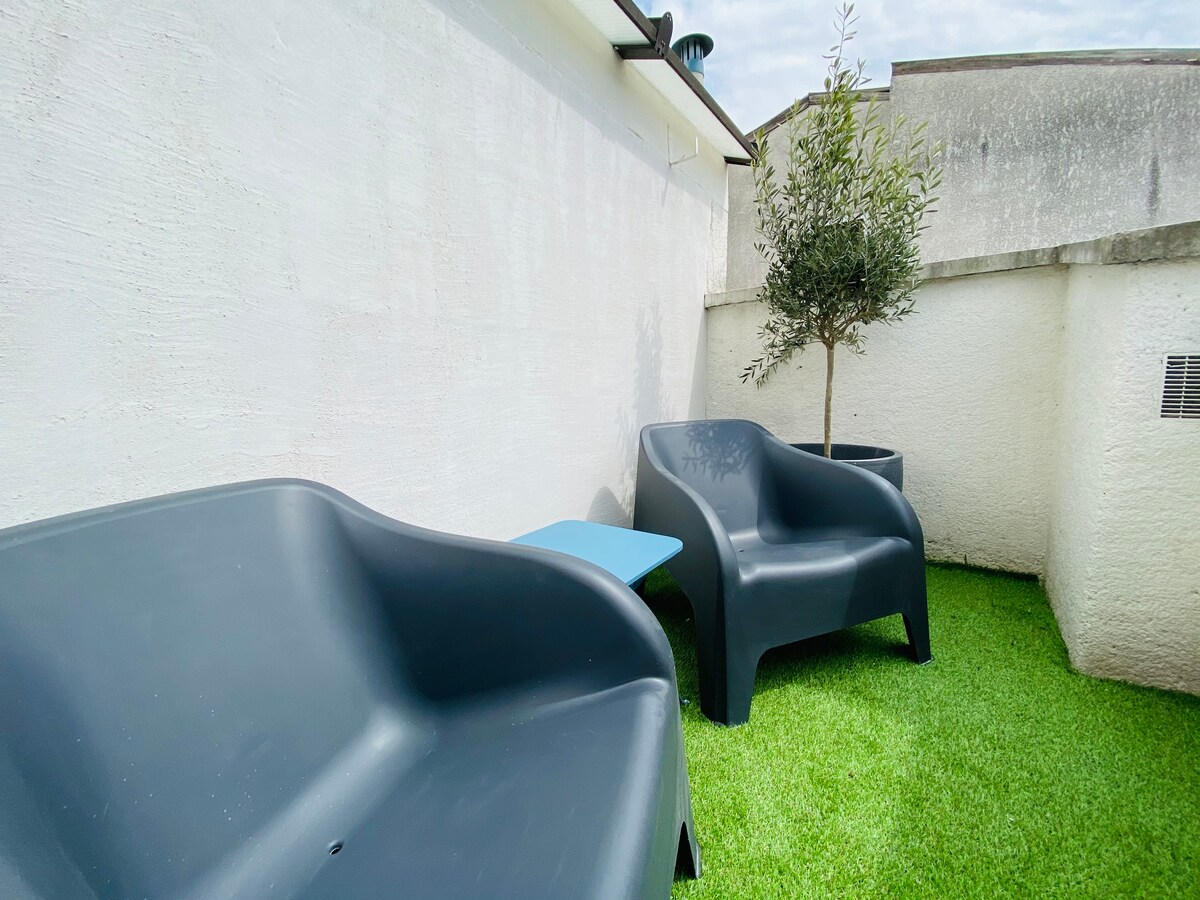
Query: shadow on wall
{"type": "Point", "coordinates": [513, 35]}
{"type": "Point", "coordinates": [607, 509]}
{"type": "Point", "coordinates": [717, 451]}
{"type": "Point", "coordinates": [649, 406]}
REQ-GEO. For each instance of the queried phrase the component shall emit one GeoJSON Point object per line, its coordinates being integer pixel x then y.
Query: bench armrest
{"type": "Point", "coordinates": [471, 617]}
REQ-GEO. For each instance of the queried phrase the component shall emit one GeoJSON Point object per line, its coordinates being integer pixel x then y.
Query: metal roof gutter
{"type": "Point", "coordinates": [656, 46]}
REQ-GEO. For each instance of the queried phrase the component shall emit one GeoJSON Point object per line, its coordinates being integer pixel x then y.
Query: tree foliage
{"type": "Point", "coordinates": [839, 225]}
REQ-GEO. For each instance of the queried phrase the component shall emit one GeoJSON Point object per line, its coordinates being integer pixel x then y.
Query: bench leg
{"type": "Point", "coordinates": [687, 861]}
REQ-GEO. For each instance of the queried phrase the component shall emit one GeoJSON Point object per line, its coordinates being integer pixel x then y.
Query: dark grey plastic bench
{"type": "Point", "coordinates": [268, 690]}
{"type": "Point", "coordinates": [778, 545]}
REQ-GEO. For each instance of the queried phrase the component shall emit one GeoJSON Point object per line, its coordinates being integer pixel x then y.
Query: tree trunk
{"type": "Point", "coordinates": [828, 397]}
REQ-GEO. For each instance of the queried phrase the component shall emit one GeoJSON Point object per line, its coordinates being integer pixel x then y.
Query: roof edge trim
{"type": "Point", "coordinates": [649, 28]}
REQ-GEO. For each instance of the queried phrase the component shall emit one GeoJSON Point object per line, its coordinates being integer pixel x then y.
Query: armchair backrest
{"type": "Point", "coordinates": [722, 460]}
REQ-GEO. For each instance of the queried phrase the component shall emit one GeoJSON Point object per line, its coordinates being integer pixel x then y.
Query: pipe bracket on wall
{"type": "Point", "coordinates": [695, 151]}
{"type": "Point", "coordinates": [664, 25]}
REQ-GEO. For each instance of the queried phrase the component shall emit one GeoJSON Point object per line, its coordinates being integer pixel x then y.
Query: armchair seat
{"type": "Point", "coordinates": [778, 545]}
{"type": "Point", "coordinates": [811, 558]}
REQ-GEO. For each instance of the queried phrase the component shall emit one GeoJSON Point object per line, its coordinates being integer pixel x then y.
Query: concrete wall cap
{"type": "Point", "coordinates": [1178, 241]}
{"type": "Point", "coordinates": [1131, 57]}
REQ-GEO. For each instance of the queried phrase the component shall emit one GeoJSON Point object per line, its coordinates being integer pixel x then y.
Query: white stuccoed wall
{"type": "Point", "coordinates": [430, 253]}
{"type": "Point", "coordinates": [1024, 399]}
{"type": "Point", "coordinates": [1035, 155]}
{"type": "Point", "coordinates": [966, 388]}
{"type": "Point", "coordinates": [1026, 403]}
{"type": "Point", "coordinates": [1050, 154]}
{"type": "Point", "coordinates": [1123, 570]}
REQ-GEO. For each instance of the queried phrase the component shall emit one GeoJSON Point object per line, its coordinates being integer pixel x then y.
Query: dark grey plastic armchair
{"type": "Point", "coordinates": [778, 545]}
{"type": "Point", "coordinates": [268, 690]}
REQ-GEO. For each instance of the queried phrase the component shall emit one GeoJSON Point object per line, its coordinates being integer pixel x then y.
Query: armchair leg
{"type": "Point", "coordinates": [710, 670]}
{"type": "Point", "coordinates": [916, 624]}
{"type": "Point", "coordinates": [739, 688]}
{"type": "Point", "coordinates": [726, 679]}
{"type": "Point", "coordinates": [916, 619]}
{"type": "Point", "coordinates": [726, 675]}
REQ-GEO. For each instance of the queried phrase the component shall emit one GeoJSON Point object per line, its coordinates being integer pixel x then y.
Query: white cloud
{"type": "Point", "coordinates": [768, 52]}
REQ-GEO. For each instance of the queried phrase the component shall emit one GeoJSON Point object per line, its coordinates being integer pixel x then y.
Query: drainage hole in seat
{"type": "Point", "coordinates": [335, 848]}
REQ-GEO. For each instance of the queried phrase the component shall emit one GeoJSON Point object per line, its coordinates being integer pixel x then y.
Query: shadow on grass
{"type": "Point", "coordinates": [998, 770]}
{"type": "Point", "coordinates": [861, 646]}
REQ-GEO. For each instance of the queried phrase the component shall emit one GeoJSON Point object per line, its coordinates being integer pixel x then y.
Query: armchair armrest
{"type": "Point", "coordinates": [666, 505]}
{"type": "Point", "coordinates": [470, 616]}
{"type": "Point", "coordinates": [812, 491]}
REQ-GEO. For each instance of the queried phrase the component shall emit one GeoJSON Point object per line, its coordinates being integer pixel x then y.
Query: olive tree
{"type": "Point", "coordinates": [839, 225]}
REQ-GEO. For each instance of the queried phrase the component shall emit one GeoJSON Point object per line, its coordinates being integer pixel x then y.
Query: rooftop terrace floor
{"type": "Point", "coordinates": [997, 770]}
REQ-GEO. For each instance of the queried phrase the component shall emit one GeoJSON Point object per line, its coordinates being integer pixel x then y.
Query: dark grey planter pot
{"type": "Point", "coordinates": [886, 463]}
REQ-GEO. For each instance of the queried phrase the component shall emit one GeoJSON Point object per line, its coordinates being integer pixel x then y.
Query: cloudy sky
{"type": "Point", "coordinates": [768, 52]}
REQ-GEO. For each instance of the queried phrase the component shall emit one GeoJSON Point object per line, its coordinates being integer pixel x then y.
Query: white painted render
{"type": "Point", "coordinates": [1123, 569]}
{"type": "Point", "coordinates": [1047, 155]}
{"type": "Point", "coordinates": [429, 252]}
{"type": "Point", "coordinates": [1025, 399]}
{"type": "Point", "coordinates": [1035, 156]}
{"type": "Point", "coordinates": [1026, 404]}
{"type": "Point", "coordinates": [966, 388]}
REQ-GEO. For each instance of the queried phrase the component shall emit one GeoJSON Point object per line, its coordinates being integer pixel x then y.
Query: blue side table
{"type": "Point", "coordinates": [630, 555]}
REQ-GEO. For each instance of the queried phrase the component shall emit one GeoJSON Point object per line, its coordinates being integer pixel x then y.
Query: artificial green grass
{"type": "Point", "coordinates": [995, 771]}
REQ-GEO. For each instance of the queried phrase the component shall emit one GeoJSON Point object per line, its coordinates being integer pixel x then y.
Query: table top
{"type": "Point", "coordinates": [628, 554]}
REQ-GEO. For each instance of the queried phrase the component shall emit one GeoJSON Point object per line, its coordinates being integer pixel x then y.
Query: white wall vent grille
{"type": "Point", "coordinates": [1181, 386]}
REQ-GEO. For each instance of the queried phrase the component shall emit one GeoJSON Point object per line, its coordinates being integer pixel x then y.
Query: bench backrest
{"type": "Point", "coordinates": [173, 674]}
